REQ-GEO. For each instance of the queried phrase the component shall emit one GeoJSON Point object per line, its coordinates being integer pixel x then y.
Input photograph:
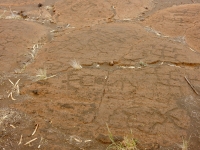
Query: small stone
{"type": "Point", "coordinates": [111, 63]}
{"type": "Point", "coordinates": [141, 19]}
{"type": "Point", "coordinates": [39, 5]}
{"type": "Point", "coordinates": [35, 92]}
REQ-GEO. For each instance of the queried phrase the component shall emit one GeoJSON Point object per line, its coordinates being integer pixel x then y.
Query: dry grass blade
{"type": "Point", "coordinates": [2, 13]}
{"type": "Point", "coordinates": [13, 16]}
{"type": "Point", "coordinates": [36, 127]}
{"type": "Point", "coordinates": [30, 141]}
{"type": "Point", "coordinates": [12, 126]}
{"type": "Point", "coordinates": [110, 134]}
{"type": "Point", "coordinates": [127, 144]}
{"type": "Point", "coordinates": [17, 82]}
{"type": "Point", "coordinates": [17, 90]}
{"type": "Point", "coordinates": [10, 81]}
{"type": "Point", "coordinates": [42, 75]}
{"type": "Point", "coordinates": [10, 95]}
{"type": "Point", "coordinates": [14, 89]}
{"type": "Point", "coordinates": [20, 141]}
{"type": "Point", "coordinates": [75, 139]}
{"type": "Point", "coordinates": [191, 85]}
{"type": "Point", "coordinates": [184, 145]}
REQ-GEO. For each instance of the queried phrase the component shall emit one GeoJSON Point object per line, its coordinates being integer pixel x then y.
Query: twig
{"type": "Point", "coordinates": [30, 141]}
{"type": "Point", "coordinates": [20, 141]}
{"type": "Point", "coordinates": [36, 127]}
{"type": "Point", "coordinates": [191, 85]}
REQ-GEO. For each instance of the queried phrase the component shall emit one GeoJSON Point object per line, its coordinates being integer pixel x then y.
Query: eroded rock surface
{"type": "Point", "coordinates": [89, 13]}
{"type": "Point", "coordinates": [16, 37]}
{"type": "Point", "coordinates": [178, 21]}
{"type": "Point", "coordinates": [20, 2]}
{"type": "Point", "coordinates": [139, 74]}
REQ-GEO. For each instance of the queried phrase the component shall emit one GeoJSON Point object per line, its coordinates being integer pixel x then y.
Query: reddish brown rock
{"type": "Point", "coordinates": [89, 13]}
{"type": "Point", "coordinates": [20, 2]}
{"type": "Point", "coordinates": [178, 21]}
{"type": "Point", "coordinates": [132, 77]}
{"type": "Point", "coordinates": [16, 37]}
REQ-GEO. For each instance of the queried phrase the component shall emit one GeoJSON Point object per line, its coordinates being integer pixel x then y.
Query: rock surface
{"type": "Point", "coordinates": [139, 74]}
